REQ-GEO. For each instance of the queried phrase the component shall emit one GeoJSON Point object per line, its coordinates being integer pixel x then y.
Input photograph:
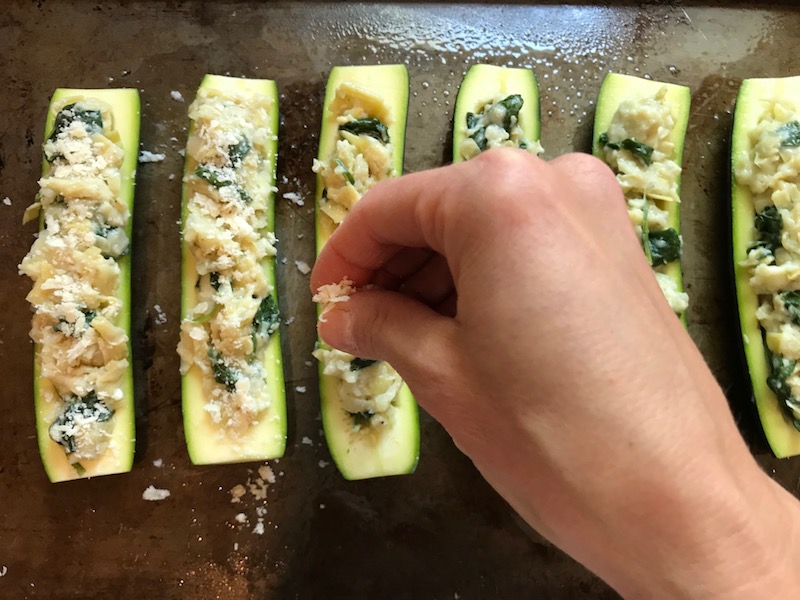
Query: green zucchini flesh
{"type": "Point", "coordinates": [264, 438]}
{"type": "Point", "coordinates": [368, 451]}
{"type": "Point", "coordinates": [781, 433]}
{"type": "Point", "coordinates": [124, 107]}
{"type": "Point", "coordinates": [483, 84]}
{"type": "Point", "coordinates": [616, 89]}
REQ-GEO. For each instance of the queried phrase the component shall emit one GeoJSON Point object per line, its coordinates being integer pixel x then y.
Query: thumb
{"type": "Point", "coordinates": [391, 326]}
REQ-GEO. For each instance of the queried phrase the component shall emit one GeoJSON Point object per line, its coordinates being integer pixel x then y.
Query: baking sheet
{"type": "Point", "coordinates": [442, 532]}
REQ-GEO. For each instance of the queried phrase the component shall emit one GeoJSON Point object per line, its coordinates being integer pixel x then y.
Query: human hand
{"type": "Point", "coordinates": [517, 304]}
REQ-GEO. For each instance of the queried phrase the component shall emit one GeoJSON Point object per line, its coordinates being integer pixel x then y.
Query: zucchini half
{"type": "Point", "coordinates": [782, 436]}
{"type": "Point", "coordinates": [617, 88]}
{"type": "Point", "coordinates": [125, 105]}
{"type": "Point", "coordinates": [207, 442]}
{"type": "Point", "coordinates": [484, 82]}
{"type": "Point", "coordinates": [365, 453]}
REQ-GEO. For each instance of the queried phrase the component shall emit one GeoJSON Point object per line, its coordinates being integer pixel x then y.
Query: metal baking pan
{"type": "Point", "coordinates": [442, 532]}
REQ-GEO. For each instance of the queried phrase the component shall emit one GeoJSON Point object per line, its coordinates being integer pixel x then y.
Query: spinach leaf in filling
{"type": "Point", "coordinates": [267, 318]}
{"type": "Point", "coordinates": [780, 370]}
{"type": "Point", "coordinates": [361, 363]}
{"type": "Point", "coordinates": [345, 173]}
{"type": "Point", "coordinates": [91, 118]}
{"type": "Point", "coordinates": [791, 303]}
{"type": "Point", "coordinates": [664, 246]}
{"type": "Point", "coordinates": [769, 224]}
{"type": "Point", "coordinates": [237, 152]}
{"type": "Point", "coordinates": [512, 105]}
{"type": "Point", "coordinates": [641, 151]}
{"type": "Point", "coordinates": [220, 179]}
{"type": "Point", "coordinates": [223, 374]}
{"type": "Point", "coordinates": [790, 134]}
{"type": "Point", "coordinates": [371, 127]}
{"type": "Point", "coordinates": [78, 410]}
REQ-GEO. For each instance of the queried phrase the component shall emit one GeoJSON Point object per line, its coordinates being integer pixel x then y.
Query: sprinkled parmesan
{"type": "Point", "coordinates": [155, 494]}
{"type": "Point", "coordinates": [300, 389]}
{"type": "Point", "coordinates": [176, 95]}
{"type": "Point", "coordinates": [237, 492]}
{"type": "Point", "coordinates": [158, 463]}
{"type": "Point", "coordinates": [7, 201]}
{"type": "Point", "coordinates": [161, 317]}
{"type": "Point", "coordinates": [145, 156]}
{"type": "Point", "coordinates": [226, 334]}
{"type": "Point", "coordinates": [302, 266]}
{"type": "Point", "coordinates": [333, 293]}
{"type": "Point", "coordinates": [294, 197]}
{"type": "Point", "coordinates": [83, 353]}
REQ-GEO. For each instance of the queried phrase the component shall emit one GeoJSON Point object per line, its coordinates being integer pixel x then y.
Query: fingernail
{"type": "Point", "coordinates": [337, 329]}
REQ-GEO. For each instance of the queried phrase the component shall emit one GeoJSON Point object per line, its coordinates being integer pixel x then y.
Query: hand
{"type": "Point", "coordinates": [517, 303]}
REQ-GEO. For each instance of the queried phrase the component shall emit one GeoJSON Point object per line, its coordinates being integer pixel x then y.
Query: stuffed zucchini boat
{"type": "Point", "coordinates": [368, 413]}
{"type": "Point", "coordinates": [80, 267]}
{"type": "Point", "coordinates": [234, 401]}
{"type": "Point", "coordinates": [765, 164]}
{"type": "Point", "coordinates": [496, 107]}
{"type": "Point", "coordinates": [639, 131]}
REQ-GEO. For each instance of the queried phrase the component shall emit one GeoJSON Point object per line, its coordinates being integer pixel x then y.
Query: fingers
{"type": "Point", "coordinates": [391, 326]}
{"type": "Point", "coordinates": [400, 267]}
{"type": "Point", "coordinates": [441, 209]}
{"type": "Point", "coordinates": [397, 213]}
{"type": "Point", "coordinates": [431, 283]}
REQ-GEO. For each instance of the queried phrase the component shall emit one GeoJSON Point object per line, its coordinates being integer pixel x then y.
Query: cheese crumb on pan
{"type": "Point", "coordinates": [154, 494]}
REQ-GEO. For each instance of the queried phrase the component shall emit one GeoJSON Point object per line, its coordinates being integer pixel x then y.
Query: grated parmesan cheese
{"type": "Point", "coordinates": [154, 494]}
{"type": "Point", "coordinates": [302, 266]}
{"type": "Point", "coordinates": [145, 156]}
{"type": "Point", "coordinates": [333, 293]}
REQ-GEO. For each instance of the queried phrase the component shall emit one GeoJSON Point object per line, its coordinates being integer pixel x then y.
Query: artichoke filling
{"type": "Point", "coordinates": [225, 227]}
{"type": "Point", "coordinates": [362, 157]}
{"type": "Point", "coordinates": [638, 146]}
{"type": "Point", "coordinates": [495, 124]}
{"type": "Point", "coordinates": [82, 346]}
{"type": "Point", "coordinates": [770, 169]}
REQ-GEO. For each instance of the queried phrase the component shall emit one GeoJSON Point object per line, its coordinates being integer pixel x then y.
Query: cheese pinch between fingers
{"type": "Point", "coordinates": [333, 293]}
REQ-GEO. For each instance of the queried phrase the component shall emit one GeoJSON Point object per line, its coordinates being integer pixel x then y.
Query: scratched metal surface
{"type": "Point", "coordinates": [441, 533]}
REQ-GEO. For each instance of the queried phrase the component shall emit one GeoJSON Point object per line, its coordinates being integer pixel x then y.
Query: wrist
{"type": "Point", "coordinates": [744, 543]}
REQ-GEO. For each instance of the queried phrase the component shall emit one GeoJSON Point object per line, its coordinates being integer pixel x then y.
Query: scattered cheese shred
{"type": "Point", "coordinates": [145, 156]}
{"type": "Point", "coordinates": [154, 494]}
{"type": "Point", "coordinates": [302, 266]}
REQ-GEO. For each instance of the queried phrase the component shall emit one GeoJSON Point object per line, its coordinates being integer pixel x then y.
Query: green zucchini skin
{"type": "Point", "coordinates": [361, 455]}
{"type": "Point", "coordinates": [484, 82]}
{"type": "Point", "coordinates": [783, 438]}
{"type": "Point", "coordinates": [126, 108]}
{"type": "Point", "coordinates": [205, 442]}
{"type": "Point", "coordinates": [617, 88]}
